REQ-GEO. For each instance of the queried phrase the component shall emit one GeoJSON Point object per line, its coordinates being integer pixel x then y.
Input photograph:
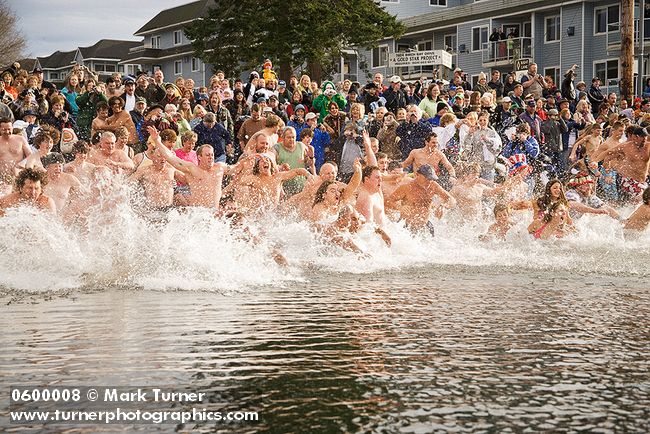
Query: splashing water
{"type": "Point", "coordinates": [195, 251]}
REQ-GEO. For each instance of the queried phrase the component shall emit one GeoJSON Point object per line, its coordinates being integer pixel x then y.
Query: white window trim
{"type": "Point", "coordinates": [454, 49]}
{"type": "Point", "coordinates": [158, 38]}
{"type": "Point", "coordinates": [546, 41]}
{"type": "Point", "coordinates": [558, 73]}
{"type": "Point", "coordinates": [600, 8]}
{"type": "Point", "coordinates": [438, 6]}
{"type": "Point", "coordinates": [181, 70]}
{"type": "Point", "coordinates": [198, 64]}
{"type": "Point", "coordinates": [471, 41]}
{"type": "Point", "coordinates": [180, 38]}
{"type": "Point", "coordinates": [618, 62]}
{"type": "Point", "coordinates": [372, 56]}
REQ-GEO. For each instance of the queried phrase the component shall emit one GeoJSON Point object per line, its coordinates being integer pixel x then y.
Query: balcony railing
{"type": "Point", "coordinates": [614, 33]}
{"type": "Point", "coordinates": [142, 48]}
{"type": "Point", "coordinates": [505, 52]}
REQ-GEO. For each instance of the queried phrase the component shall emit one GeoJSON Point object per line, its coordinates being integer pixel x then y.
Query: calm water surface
{"type": "Point", "coordinates": [436, 348]}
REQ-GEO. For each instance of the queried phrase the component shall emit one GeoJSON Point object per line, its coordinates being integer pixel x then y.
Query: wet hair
{"type": "Point", "coordinates": [52, 158]}
{"type": "Point", "coordinates": [81, 147]}
{"type": "Point", "coordinates": [31, 175]}
{"type": "Point", "coordinates": [168, 135]}
{"type": "Point", "coordinates": [367, 171]}
{"type": "Point", "coordinates": [548, 215]}
{"type": "Point", "coordinates": [199, 150]}
{"type": "Point", "coordinates": [545, 201]}
{"type": "Point", "coordinates": [429, 136]}
{"type": "Point", "coordinates": [393, 164]}
{"type": "Point", "coordinates": [381, 155]}
{"type": "Point", "coordinates": [464, 168]}
{"type": "Point", "coordinates": [320, 193]}
{"type": "Point", "coordinates": [500, 207]}
{"type": "Point", "coordinates": [258, 160]}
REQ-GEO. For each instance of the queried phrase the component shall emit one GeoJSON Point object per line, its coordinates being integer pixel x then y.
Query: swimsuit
{"type": "Point", "coordinates": [631, 186]}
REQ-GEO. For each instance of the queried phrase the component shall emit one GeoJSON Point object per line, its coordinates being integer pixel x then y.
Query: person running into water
{"type": "Point", "coordinates": [414, 199]}
{"type": "Point", "coordinates": [204, 180]}
{"type": "Point", "coordinates": [639, 220]}
{"type": "Point", "coordinates": [28, 192]}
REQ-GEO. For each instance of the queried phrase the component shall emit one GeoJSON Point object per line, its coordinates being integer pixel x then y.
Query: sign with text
{"type": "Point", "coordinates": [522, 64]}
{"type": "Point", "coordinates": [420, 58]}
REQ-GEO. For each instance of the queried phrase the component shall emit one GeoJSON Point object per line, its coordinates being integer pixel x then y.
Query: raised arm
{"type": "Point", "coordinates": [290, 174]}
{"type": "Point", "coordinates": [351, 189]}
{"type": "Point", "coordinates": [177, 163]}
{"type": "Point", "coordinates": [371, 158]}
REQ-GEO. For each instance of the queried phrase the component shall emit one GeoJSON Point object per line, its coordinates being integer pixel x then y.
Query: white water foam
{"type": "Point", "coordinates": [195, 251]}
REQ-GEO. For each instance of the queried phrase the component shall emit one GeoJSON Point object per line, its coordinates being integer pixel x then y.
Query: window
{"type": "Point", "coordinates": [155, 42]}
{"type": "Point", "coordinates": [54, 75]}
{"type": "Point", "coordinates": [437, 2]}
{"type": "Point", "coordinates": [479, 37]}
{"type": "Point", "coordinates": [552, 29]}
{"type": "Point", "coordinates": [554, 72]}
{"type": "Point", "coordinates": [606, 71]}
{"type": "Point", "coordinates": [132, 69]}
{"type": "Point", "coordinates": [606, 19]}
{"type": "Point", "coordinates": [451, 42]}
{"type": "Point", "coordinates": [104, 67]}
{"type": "Point", "coordinates": [425, 46]}
{"type": "Point", "coordinates": [178, 67]}
{"type": "Point", "coordinates": [177, 37]}
{"type": "Point", "coordinates": [380, 56]}
{"type": "Point", "coordinates": [196, 64]}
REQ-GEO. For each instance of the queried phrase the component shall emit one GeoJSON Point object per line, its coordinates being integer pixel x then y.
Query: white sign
{"type": "Point", "coordinates": [420, 58]}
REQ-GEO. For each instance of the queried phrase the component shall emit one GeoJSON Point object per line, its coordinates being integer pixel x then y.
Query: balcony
{"type": "Point", "coordinates": [614, 35]}
{"type": "Point", "coordinates": [504, 53]}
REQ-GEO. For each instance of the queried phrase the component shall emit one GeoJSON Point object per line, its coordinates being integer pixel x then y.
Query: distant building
{"type": "Point", "coordinates": [555, 34]}
{"type": "Point", "coordinates": [166, 47]}
{"type": "Point", "coordinates": [102, 57]}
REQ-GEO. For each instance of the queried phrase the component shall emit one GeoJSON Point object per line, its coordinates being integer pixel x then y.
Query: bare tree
{"type": "Point", "coordinates": [12, 42]}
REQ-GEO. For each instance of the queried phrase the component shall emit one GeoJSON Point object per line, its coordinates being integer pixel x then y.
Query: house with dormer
{"type": "Point", "coordinates": [103, 57]}
{"type": "Point", "coordinates": [165, 46]}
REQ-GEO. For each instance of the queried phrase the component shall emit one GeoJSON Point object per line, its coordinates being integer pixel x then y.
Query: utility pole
{"type": "Point", "coordinates": [627, 50]}
{"type": "Point", "coordinates": [641, 67]}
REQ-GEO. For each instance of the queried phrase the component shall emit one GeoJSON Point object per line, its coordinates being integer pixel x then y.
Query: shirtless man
{"type": "Point", "coordinates": [204, 180]}
{"type": "Point", "coordinates": [157, 180]}
{"type": "Point", "coordinates": [13, 150]}
{"type": "Point", "coordinates": [370, 202]}
{"type": "Point", "coordinates": [614, 139]}
{"type": "Point", "coordinates": [29, 191]}
{"type": "Point", "coordinates": [589, 143]}
{"type": "Point", "coordinates": [60, 185]}
{"type": "Point", "coordinates": [631, 160]}
{"type": "Point", "coordinates": [108, 156]}
{"type": "Point", "coordinates": [262, 189]}
{"type": "Point", "coordinates": [302, 202]}
{"type": "Point", "coordinates": [640, 218]}
{"type": "Point", "coordinates": [430, 155]}
{"type": "Point", "coordinates": [80, 167]}
{"type": "Point", "coordinates": [43, 144]}
{"type": "Point", "coordinates": [271, 129]}
{"type": "Point", "coordinates": [414, 200]}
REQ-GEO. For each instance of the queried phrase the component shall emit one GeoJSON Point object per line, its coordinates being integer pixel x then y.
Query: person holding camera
{"type": "Point", "coordinates": [533, 82]}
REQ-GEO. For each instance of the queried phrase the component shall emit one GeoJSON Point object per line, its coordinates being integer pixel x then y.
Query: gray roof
{"type": "Point", "coordinates": [177, 15]}
{"type": "Point", "coordinates": [473, 11]}
{"type": "Point", "coordinates": [57, 59]}
{"type": "Point", "coordinates": [108, 49]}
